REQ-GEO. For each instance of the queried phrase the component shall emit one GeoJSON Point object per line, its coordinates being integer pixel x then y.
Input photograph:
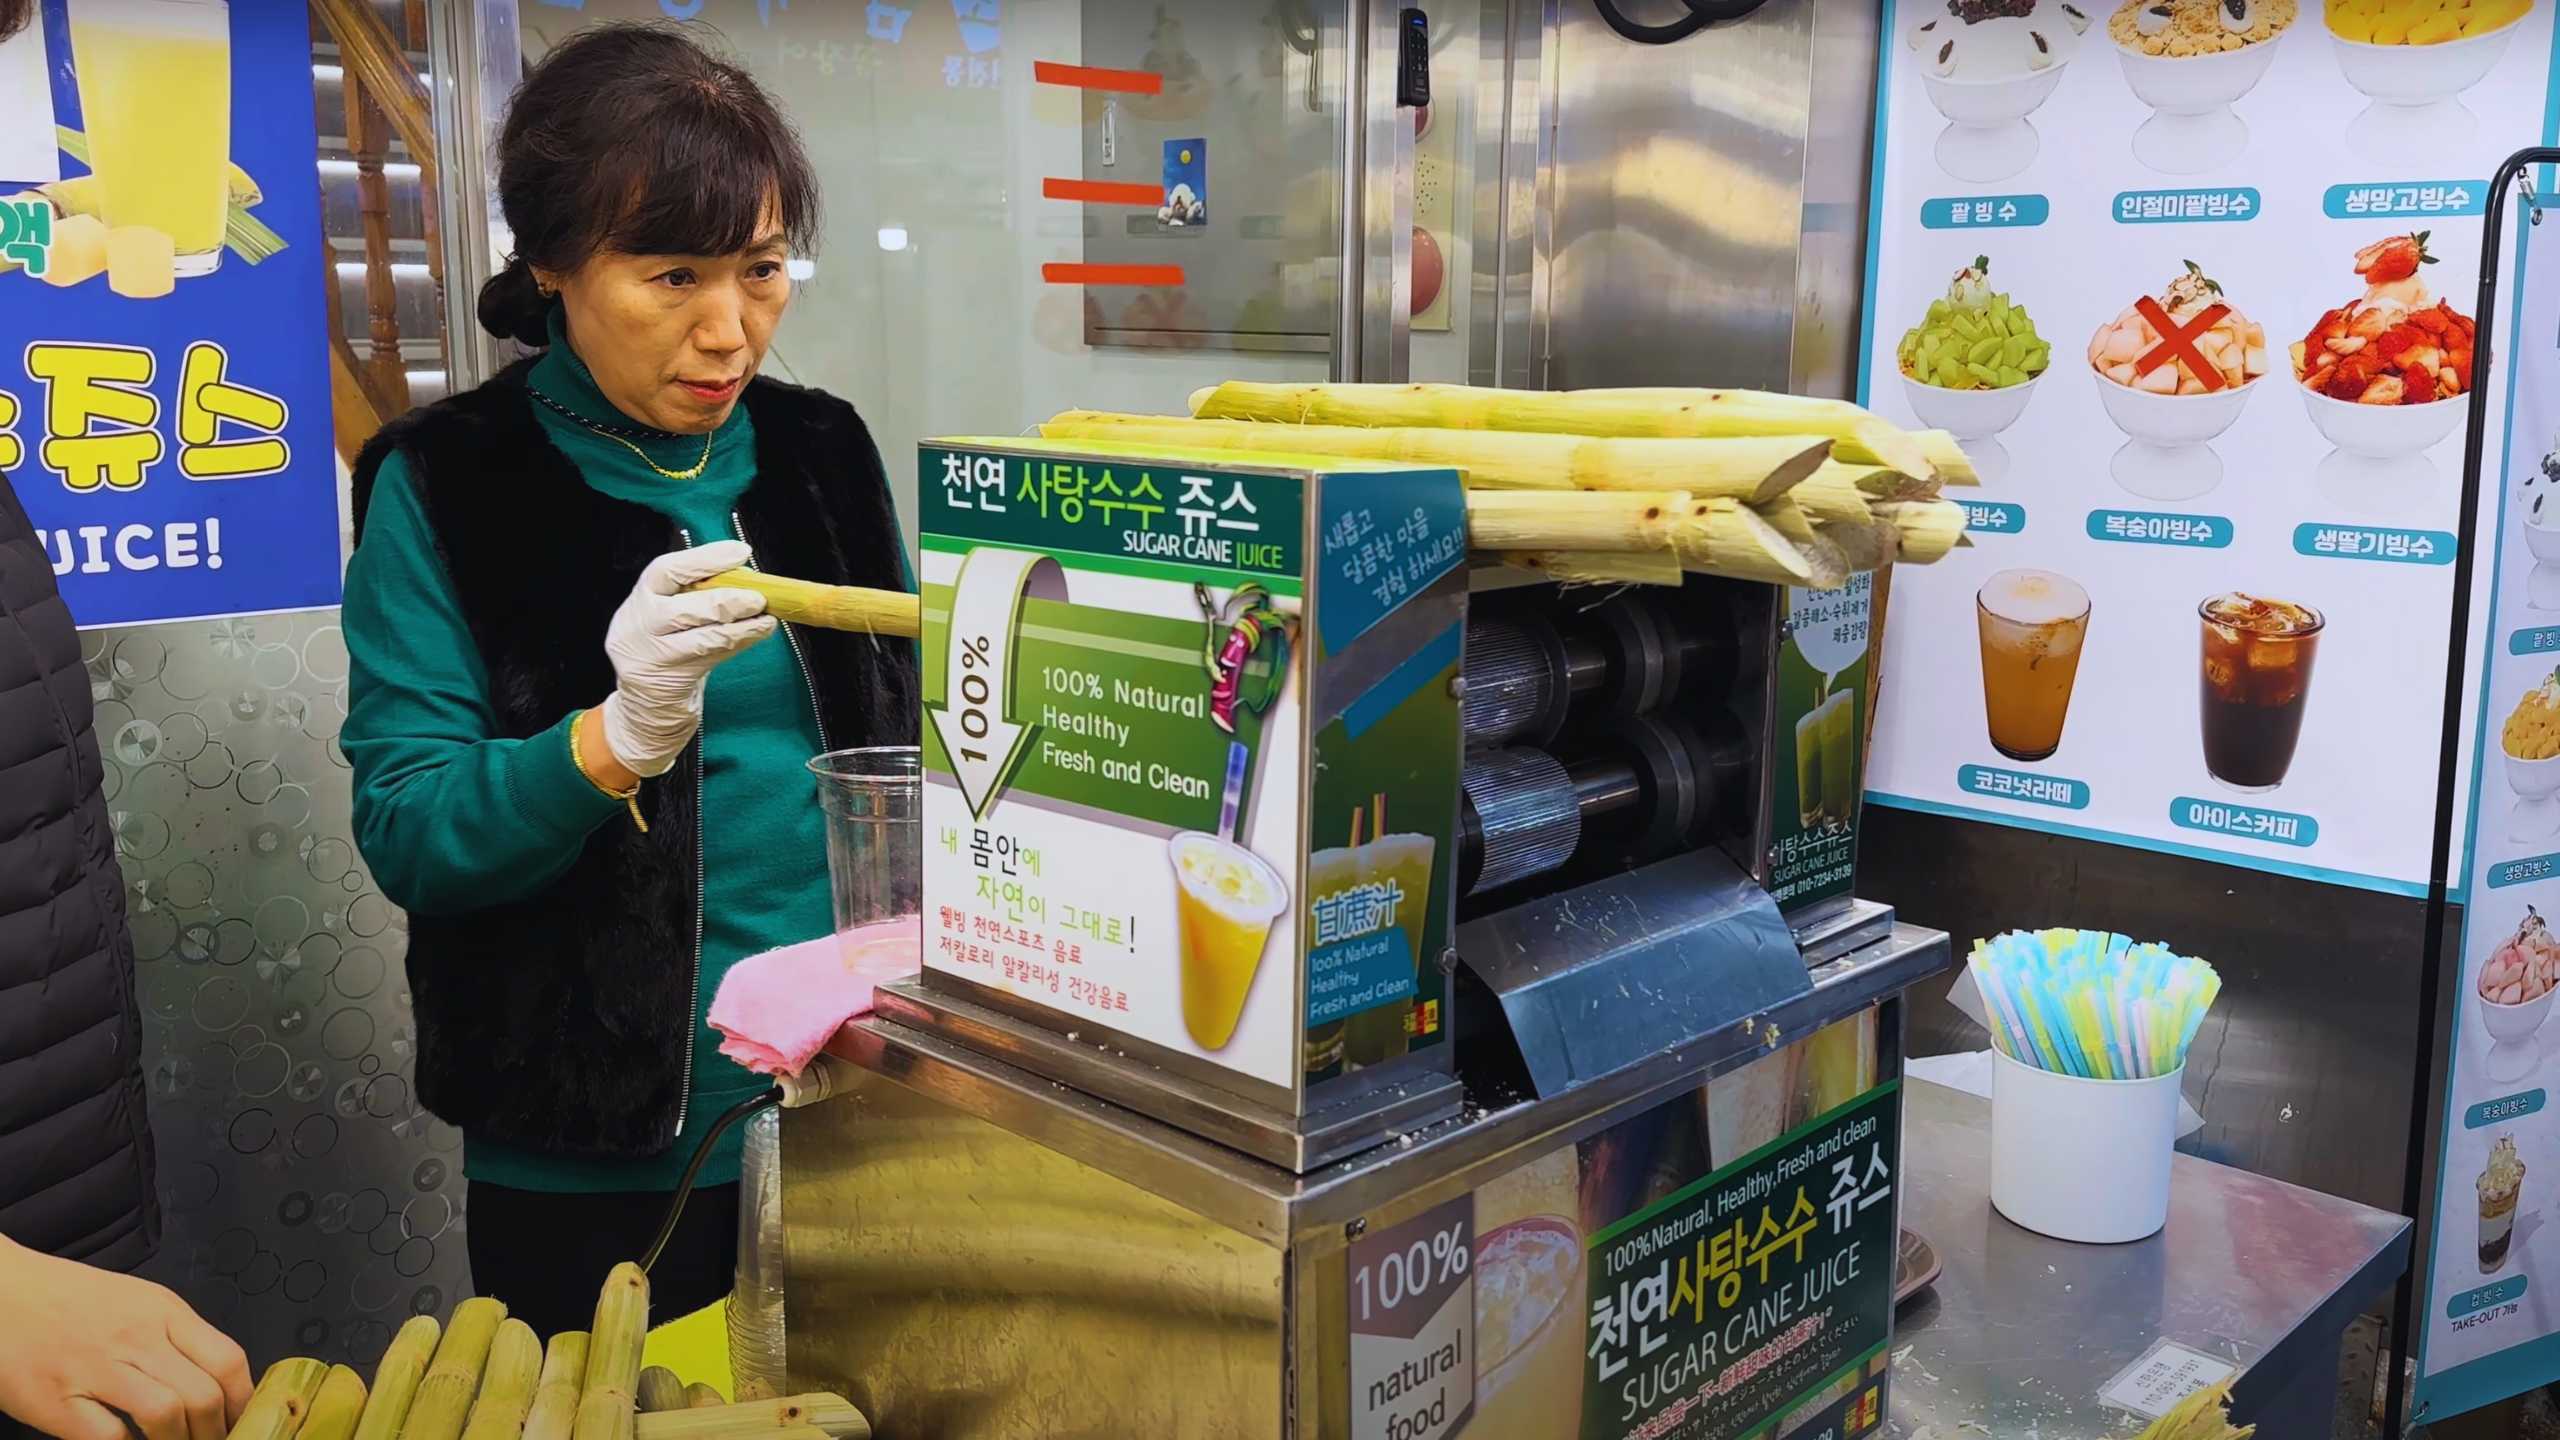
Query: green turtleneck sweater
{"type": "Point", "coordinates": [451, 820]}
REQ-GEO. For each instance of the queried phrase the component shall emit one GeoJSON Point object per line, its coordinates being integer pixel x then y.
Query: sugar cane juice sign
{"type": "Point", "coordinates": [1116, 653]}
{"type": "Point", "coordinates": [1762, 1285]}
{"type": "Point", "coordinates": [164, 395]}
{"type": "Point", "coordinates": [1822, 690]}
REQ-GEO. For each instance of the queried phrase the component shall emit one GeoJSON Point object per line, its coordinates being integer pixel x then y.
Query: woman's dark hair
{"type": "Point", "coordinates": [14, 15]}
{"type": "Point", "coordinates": [633, 138]}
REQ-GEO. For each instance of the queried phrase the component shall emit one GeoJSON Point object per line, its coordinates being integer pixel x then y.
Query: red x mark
{"type": "Point", "coordinates": [2180, 344]}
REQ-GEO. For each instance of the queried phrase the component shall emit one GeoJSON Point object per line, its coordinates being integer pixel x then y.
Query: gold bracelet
{"type": "Point", "coordinates": [630, 798]}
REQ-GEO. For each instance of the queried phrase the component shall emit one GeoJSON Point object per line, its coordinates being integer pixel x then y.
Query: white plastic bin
{"type": "Point", "coordinates": [2084, 1160]}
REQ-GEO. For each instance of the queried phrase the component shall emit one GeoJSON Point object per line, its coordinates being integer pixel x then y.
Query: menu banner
{"type": "Point", "coordinates": [2489, 1326]}
{"type": "Point", "coordinates": [164, 393]}
{"type": "Point", "coordinates": [2188, 282]}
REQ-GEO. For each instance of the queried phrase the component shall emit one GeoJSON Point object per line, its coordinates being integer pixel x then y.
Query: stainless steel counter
{"type": "Point", "coordinates": [2022, 1332]}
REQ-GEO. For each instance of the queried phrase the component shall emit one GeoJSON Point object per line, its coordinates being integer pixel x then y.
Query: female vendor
{"type": "Point", "coordinates": [583, 781]}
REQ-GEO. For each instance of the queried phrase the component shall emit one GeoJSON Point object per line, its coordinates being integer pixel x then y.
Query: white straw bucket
{"type": "Point", "coordinates": [2084, 1160]}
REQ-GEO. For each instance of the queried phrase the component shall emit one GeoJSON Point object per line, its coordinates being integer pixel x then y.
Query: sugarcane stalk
{"type": "Point", "coordinates": [277, 1408]}
{"type": "Point", "coordinates": [759, 1419]}
{"type": "Point", "coordinates": [1662, 413]}
{"type": "Point", "coordinates": [335, 1411]}
{"type": "Point", "coordinates": [1729, 539]}
{"type": "Point", "coordinates": [395, 1379]}
{"type": "Point", "coordinates": [1600, 567]}
{"type": "Point", "coordinates": [828, 607]}
{"type": "Point", "coordinates": [1743, 469]}
{"type": "Point", "coordinates": [1929, 528]}
{"type": "Point", "coordinates": [564, 1379]}
{"type": "Point", "coordinates": [607, 1405]}
{"type": "Point", "coordinates": [1827, 568]}
{"type": "Point", "coordinates": [444, 1398]}
{"type": "Point", "coordinates": [1947, 455]}
{"type": "Point", "coordinates": [1541, 520]}
{"type": "Point", "coordinates": [660, 1390]}
{"type": "Point", "coordinates": [698, 1396]}
{"type": "Point", "coordinates": [506, 1385]}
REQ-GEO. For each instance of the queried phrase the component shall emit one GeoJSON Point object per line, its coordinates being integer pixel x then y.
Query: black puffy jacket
{"type": "Point", "coordinates": [75, 1149]}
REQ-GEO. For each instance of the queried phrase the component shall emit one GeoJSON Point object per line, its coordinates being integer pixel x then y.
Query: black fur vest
{"type": "Point", "coordinates": [560, 1024]}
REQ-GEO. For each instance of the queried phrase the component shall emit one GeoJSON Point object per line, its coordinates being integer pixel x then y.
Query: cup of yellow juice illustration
{"type": "Point", "coordinates": [1226, 899]}
{"type": "Point", "coordinates": [155, 102]}
{"type": "Point", "coordinates": [1404, 862]}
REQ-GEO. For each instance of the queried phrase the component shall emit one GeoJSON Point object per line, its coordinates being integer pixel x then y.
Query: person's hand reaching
{"type": "Point", "coordinates": [80, 1347]}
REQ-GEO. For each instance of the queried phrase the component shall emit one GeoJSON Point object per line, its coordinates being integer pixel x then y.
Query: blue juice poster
{"type": "Point", "coordinates": [164, 382]}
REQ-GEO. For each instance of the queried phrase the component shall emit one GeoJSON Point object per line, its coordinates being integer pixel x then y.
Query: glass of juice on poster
{"type": "Point", "coordinates": [2258, 655]}
{"type": "Point", "coordinates": [1329, 873]}
{"type": "Point", "coordinates": [1404, 862]}
{"type": "Point", "coordinates": [1226, 899]}
{"type": "Point", "coordinates": [1840, 756]}
{"type": "Point", "coordinates": [1529, 1330]}
{"type": "Point", "coordinates": [1809, 767]}
{"type": "Point", "coordinates": [2032, 623]}
{"type": "Point", "coordinates": [155, 104]}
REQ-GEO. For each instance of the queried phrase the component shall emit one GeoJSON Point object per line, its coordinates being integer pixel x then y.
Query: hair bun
{"type": "Point", "coordinates": [513, 307]}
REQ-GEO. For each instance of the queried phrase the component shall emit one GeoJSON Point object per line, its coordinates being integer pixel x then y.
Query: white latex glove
{"type": "Point", "coordinates": [664, 644]}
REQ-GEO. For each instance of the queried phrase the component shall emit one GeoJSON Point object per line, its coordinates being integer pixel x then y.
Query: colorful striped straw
{"type": "Point", "coordinates": [2091, 1003]}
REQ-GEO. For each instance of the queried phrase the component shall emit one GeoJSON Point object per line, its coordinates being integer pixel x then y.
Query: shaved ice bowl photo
{"type": "Point", "coordinates": [2174, 371]}
{"type": "Point", "coordinates": [1988, 65]}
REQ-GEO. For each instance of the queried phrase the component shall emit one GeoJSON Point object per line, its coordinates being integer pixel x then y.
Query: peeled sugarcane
{"type": "Point", "coordinates": [335, 1411]}
{"type": "Point", "coordinates": [1753, 468]}
{"type": "Point", "coordinates": [698, 1396]}
{"type": "Point", "coordinates": [1865, 545]}
{"type": "Point", "coordinates": [1953, 465]}
{"type": "Point", "coordinates": [395, 1380]}
{"type": "Point", "coordinates": [1527, 519]}
{"type": "Point", "coordinates": [660, 1390]}
{"type": "Point", "coordinates": [1726, 538]}
{"type": "Point", "coordinates": [831, 1415]}
{"type": "Point", "coordinates": [828, 607]}
{"type": "Point", "coordinates": [1600, 567]}
{"type": "Point", "coordinates": [1860, 436]}
{"type": "Point", "coordinates": [1929, 528]}
{"type": "Point", "coordinates": [1827, 567]}
{"type": "Point", "coordinates": [277, 1408]}
{"type": "Point", "coordinates": [443, 1401]}
{"type": "Point", "coordinates": [564, 1379]}
{"type": "Point", "coordinates": [506, 1387]}
{"type": "Point", "coordinates": [607, 1405]}
{"type": "Point", "coordinates": [1831, 496]}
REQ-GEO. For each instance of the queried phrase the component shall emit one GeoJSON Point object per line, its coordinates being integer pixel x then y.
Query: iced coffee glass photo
{"type": "Point", "coordinates": [2033, 623]}
{"type": "Point", "coordinates": [2258, 655]}
{"type": "Point", "coordinates": [155, 102]}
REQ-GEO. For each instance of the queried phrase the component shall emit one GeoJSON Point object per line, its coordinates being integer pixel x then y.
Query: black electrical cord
{"type": "Point", "coordinates": [701, 1153]}
{"type": "Point", "coordinates": [1702, 13]}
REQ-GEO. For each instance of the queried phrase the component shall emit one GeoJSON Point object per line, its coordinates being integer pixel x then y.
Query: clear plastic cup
{"type": "Point", "coordinates": [874, 801]}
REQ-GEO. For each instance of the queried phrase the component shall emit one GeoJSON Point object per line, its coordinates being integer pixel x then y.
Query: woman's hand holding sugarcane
{"type": "Point", "coordinates": [664, 642]}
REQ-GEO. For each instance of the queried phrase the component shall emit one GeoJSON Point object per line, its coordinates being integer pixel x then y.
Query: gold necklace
{"type": "Point", "coordinates": [695, 473]}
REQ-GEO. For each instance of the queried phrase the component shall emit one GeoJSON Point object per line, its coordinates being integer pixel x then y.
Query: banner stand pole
{"type": "Point", "coordinates": [2431, 977]}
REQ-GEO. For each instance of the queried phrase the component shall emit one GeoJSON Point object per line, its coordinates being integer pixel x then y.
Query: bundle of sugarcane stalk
{"type": "Point", "coordinates": [484, 1376]}
{"type": "Point", "coordinates": [1634, 486]}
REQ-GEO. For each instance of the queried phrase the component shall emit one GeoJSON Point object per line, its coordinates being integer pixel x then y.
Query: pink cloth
{"type": "Point", "coordinates": [777, 1010]}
